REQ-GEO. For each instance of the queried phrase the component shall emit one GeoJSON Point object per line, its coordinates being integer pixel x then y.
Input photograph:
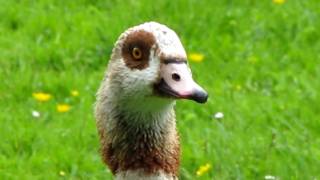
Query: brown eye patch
{"type": "Point", "coordinates": [136, 49]}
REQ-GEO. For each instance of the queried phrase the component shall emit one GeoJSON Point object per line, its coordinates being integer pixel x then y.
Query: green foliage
{"type": "Point", "coordinates": [261, 69]}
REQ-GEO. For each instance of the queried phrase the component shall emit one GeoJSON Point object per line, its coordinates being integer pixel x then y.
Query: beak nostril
{"type": "Point", "coordinates": [176, 77]}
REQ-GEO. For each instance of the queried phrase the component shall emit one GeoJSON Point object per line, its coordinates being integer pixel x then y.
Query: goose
{"type": "Point", "coordinates": [134, 110]}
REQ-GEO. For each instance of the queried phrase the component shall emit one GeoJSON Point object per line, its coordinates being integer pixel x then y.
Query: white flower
{"type": "Point", "coordinates": [218, 115]}
{"type": "Point", "coordinates": [269, 177]}
{"type": "Point", "coordinates": [62, 173]}
{"type": "Point", "coordinates": [35, 114]}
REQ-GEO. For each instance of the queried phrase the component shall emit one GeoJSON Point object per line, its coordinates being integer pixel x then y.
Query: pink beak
{"type": "Point", "coordinates": [177, 82]}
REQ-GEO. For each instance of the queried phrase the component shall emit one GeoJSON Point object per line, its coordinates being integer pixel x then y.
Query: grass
{"type": "Point", "coordinates": [261, 69]}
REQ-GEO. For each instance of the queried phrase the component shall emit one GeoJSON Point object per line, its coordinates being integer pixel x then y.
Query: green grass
{"type": "Point", "coordinates": [261, 68]}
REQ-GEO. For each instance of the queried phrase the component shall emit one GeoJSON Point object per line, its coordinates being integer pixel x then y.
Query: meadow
{"type": "Point", "coordinates": [259, 61]}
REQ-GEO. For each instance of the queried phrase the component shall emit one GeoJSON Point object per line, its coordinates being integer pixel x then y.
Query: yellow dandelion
{"type": "Point", "coordinates": [42, 97]}
{"type": "Point", "coordinates": [63, 108]}
{"type": "Point", "coordinates": [238, 87]}
{"type": "Point", "coordinates": [62, 173]}
{"type": "Point", "coordinates": [75, 93]}
{"type": "Point", "coordinates": [203, 169]}
{"type": "Point", "coordinates": [196, 57]}
{"type": "Point", "coordinates": [278, 1]}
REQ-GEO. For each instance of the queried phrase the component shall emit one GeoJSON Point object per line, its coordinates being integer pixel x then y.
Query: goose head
{"type": "Point", "coordinates": [149, 66]}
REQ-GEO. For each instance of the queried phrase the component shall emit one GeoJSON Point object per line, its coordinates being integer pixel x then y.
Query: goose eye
{"type": "Point", "coordinates": [136, 53]}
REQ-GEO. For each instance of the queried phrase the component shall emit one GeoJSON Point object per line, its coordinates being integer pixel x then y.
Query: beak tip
{"type": "Point", "coordinates": [200, 97]}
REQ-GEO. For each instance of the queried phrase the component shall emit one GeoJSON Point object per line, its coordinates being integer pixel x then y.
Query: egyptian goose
{"type": "Point", "coordinates": [148, 71]}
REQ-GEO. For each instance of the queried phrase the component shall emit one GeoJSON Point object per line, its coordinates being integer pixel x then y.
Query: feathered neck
{"type": "Point", "coordinates": [144, 142]}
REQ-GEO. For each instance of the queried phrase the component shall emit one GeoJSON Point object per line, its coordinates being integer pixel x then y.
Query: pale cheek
{"type": "Point", "coordinates": [138, 82]}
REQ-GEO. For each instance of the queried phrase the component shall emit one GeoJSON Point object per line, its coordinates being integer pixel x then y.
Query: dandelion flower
{"type": "Point", "coordinates": [219, 115]}
{"type": "Point", "coordinates": [196, 57]}
{"type": "Point", "coordinates": [62, 173]}
{"type": "Point", "coordinates": [63, 108]}
{"type": "Point", "coordinates": [203, 169]}
{"type": "Point", "coordinates": [35, 114]}
{"type": "Point", "coordinates": [238, 87]}
{"type": "Point", "coordinates": [42, 97]}
{"type": "Point", "coordinates": [278, 1]}
{"type": "Point", "coordinates": [75, 93]}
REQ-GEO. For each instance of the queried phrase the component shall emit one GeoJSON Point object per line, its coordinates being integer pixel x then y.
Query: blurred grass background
{"type": "Point", "coordinates": [261, 68]}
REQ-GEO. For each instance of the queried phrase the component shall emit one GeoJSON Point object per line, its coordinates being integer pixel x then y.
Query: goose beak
{"type": "Point", "coordinates": [177, 82]}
